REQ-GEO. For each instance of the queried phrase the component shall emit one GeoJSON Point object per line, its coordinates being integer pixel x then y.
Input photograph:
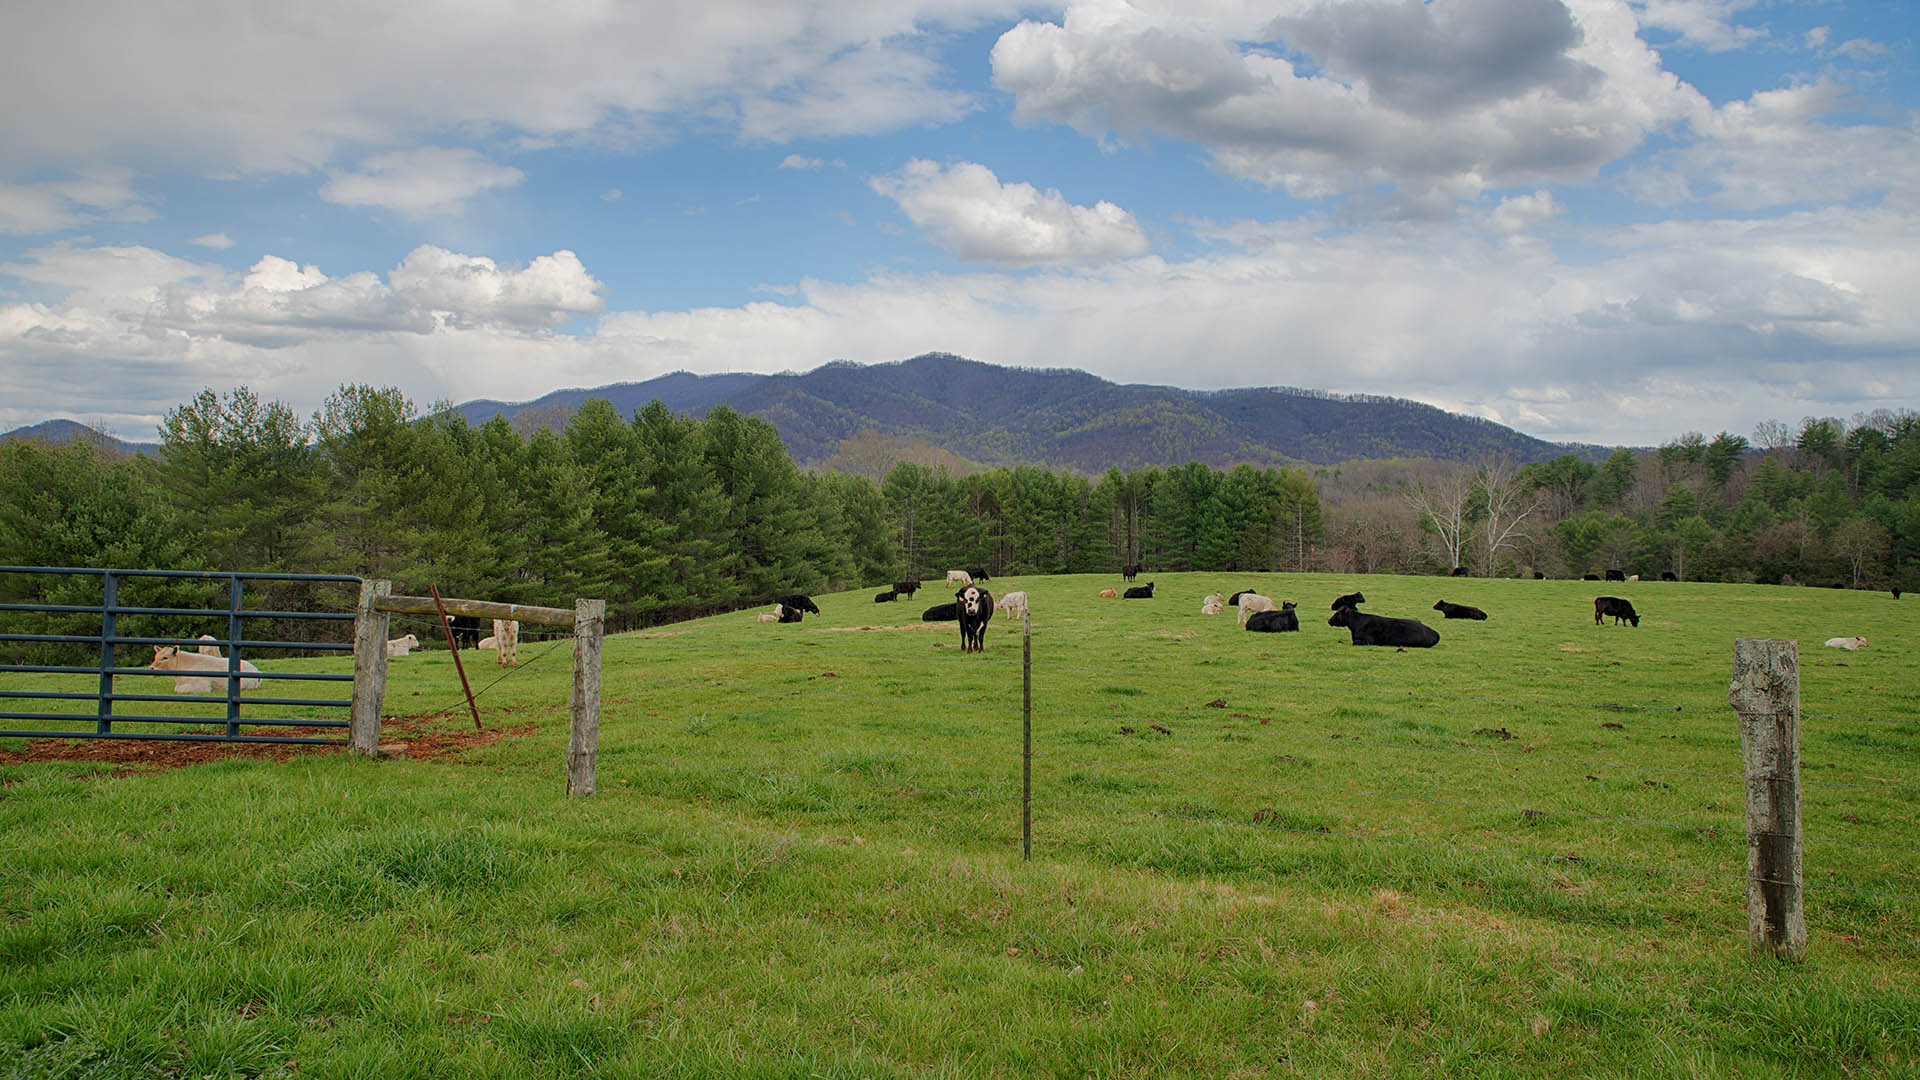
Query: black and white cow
{"type": "Point", "coordinates": [974, 606]}
{"type": "Point", "coordinates": [1458, 611]}
{"type": "Point", "coordinates": [796, 603]}
{"type": "Point", "coordinates": [1380, 630]}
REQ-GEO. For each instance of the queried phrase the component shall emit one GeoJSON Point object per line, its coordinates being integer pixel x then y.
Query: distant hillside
{"type": "Point", "coordinates": [62, 432]}
{"type": "Point", "coordinates": [1057, 418]}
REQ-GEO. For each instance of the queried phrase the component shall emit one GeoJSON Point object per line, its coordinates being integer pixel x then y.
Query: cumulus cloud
{"type": "Point", "coordinates": [967, 209]}
{"type": "Point", "coordinates": [1441, 101]}
{"type": "Point", "coordinates": [424, 182]}
{"type": "Point", "coordinates": [49, 206]}
{"type": "Point", "coordinates": [1703, 24]}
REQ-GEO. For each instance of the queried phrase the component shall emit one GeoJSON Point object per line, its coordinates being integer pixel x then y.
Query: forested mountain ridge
{"type": "Point", "coordinates": [1056, 418]}
{"type": "Point", "coordinates": [63, 432]}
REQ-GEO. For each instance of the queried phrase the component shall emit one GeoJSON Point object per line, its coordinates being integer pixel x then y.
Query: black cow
{"type": "Point", "coordinates": [1130, 570]}
{"type": "Point", "coordinates": [787, 614]}
{"type": "Point", "coordinates": [1538, 576]}
{"type": "Point", "coordinates": [887, 597]}
{"type": "Point", "coordinates": [1380, 630]}
{"type": "Point", "coordinates": [797, 602]}
{"type": "Point", "coordinates": [1896, 592]}
{"type": "Point", "coordinates": [1459, 611]}
{"type": "Point", "coordinates": [973, 606]}
{"type": "Point", "coordinates": [1274, 622]}
{"type": "Point", "coordinates": [1616, 575]}
{"type": "Point", "coordinates": [1352, 599]}
{"type": "Point", "coordinates": [908, 587]}
{"type": "Point", "coordinates": [1589, 577]}
{"type": "Point", "coordinates": [1139, 592]}
{"type": "Point", "coordinates": [1604, 606]}
{"type": "Point", "coordinates": [1234, 600]}
{"type": "Point", "coordinates": [977, 573]}
{"type": "Point", "coordinates": [1668, 575]}
{"type": "Point", "coordinates": [467, 630]}
{"type": "Point", "coordinates": [1458, 571]}
{"type": "Point", "coordinates": [941, 613]}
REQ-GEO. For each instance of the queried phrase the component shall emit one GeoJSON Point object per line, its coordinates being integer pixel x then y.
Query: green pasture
{"type": "Point", "coordinates": [1519, 853]}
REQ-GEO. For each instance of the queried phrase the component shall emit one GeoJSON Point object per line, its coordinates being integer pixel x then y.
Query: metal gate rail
{"type": "Point", "coordinates": [109, 609]}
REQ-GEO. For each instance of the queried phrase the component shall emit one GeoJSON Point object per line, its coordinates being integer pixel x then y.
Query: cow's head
{"type": "Point", "coordinates": [972, 599]}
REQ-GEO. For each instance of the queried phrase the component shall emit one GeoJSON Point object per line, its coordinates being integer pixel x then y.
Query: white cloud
{"type": "Point", "coordinates": [49, 206]}
{"type": "Point", "coordinates": [425, 182]}
{"type": "Point", "coordinates": [291, 84]}
{"type": "Point", "coordinates": [217, 240]}
{"type": "Point", "coordinates": [1701, 24]}
{"type": "Point", "coordinates": [797, 161]}
{"type": "Point", "coordinates": [612, 194]}
{"type": "Point", "coordinates": [967, 209]}
{"type": "Point", "coordinates": [1522, 212]}
{"type": "Point", "coordinates": [1441, 103]}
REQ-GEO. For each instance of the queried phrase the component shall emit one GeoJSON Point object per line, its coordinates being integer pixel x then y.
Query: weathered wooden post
{"type": "Point", "coordinates": [583, 739]}
{"type": "Point", "coordinates": [1766, 694]}
{"type": "Point", "coordinates": [369, 668]}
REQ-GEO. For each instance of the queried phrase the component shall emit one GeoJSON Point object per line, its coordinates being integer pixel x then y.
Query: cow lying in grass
{"type": "Point", "coordinates": [1458, 611]}
{"type": "Point", "coordinates": [211, 677]}
{"type": "Point", "coordinates": [1380, 630]}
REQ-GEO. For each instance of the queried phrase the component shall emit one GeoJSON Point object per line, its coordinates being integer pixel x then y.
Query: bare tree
{"type": "Point", "coordinates": [1501, 497]}
{"type": "Point", "coordinates": [1443, 504]}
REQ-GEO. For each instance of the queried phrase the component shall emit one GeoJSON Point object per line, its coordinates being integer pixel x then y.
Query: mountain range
{"type": "Point", "coordinates": [1057, 418]}
{"type": "Point", "coordinates": [949, 408]}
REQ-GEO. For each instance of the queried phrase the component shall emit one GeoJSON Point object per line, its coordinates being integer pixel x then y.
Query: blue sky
{"type": "Point", "coordinates": [1606, 221]}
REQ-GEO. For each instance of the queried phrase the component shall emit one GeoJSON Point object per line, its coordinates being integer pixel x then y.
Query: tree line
{"type": "Point", "coordinates": [1829, 502]}
{"type": "Point", "coordinates": [666, 517]}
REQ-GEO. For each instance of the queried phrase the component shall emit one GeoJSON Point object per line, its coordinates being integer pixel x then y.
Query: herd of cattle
{"type": "Point", "coordinates": [973, 607]}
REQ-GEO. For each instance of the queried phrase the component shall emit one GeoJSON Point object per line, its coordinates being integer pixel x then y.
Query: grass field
{"type": "Point", "coordinates": [1520, 853]}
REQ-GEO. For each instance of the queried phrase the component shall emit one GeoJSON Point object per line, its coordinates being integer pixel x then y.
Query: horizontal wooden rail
{"type": "Point", "coordinates": [423, 605]}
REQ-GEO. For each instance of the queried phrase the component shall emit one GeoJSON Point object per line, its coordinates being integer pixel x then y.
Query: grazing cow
{"type": "Point", "coordinates": [506, 641]}
{"type": "Point", "coordinates": [973, 606]}
{"type": "Point", "coordinates": [401, 646]}
{"type": "Point", "coordinates": [1352, 599]}
{"type": "Point", "coordinates": [1139, 592]}
{"type": "Point", "coordinates": [1131, 570]}
{"type": "Point", "coordinates": [1589, 577]}
{"type": "Point", "coordinates": [1604, 606]}
{"type": "Point", "coordinates": [941, 613]}
{"type": "Point", "coordinates": [887, 597]}
{"type": "Point", "coordinates": [977, 573]}
{"type": "Point", "coordinates": [1214, 604]}
{"type": "Point", "coordinates": [1380, 630]}
{"type": "Point", "coordinates": [1013, 603]}
{"type": "Point", "coordinates": [796, 603]}
{"type": "Point", "coordinates": [1538, 576]}
{"type": "Point", "coordinates": [1252, 604]}
{"type": "Point", "coordinates": [1848, 643]}
{"type": "Point", "coordinates": [1109, 594]}
{"type": "Point", "coordinates": [1458, 571]}
{"type": "Point", "coordinates": [1616, 575]}
{"type": "Point", "coordinates": [1896, 592]}
{"type": "Point", "coordinates": [1273, 622]}
{"type": "Point", "coordinates": [959, 577]}
{"type": "Point", "coordinates": [466, 631]}
{"type": "Point", "coordinates": [907, 588]}
{"type": "Point", "coordinates": [211, 672]}
{"type": "Point", "coordinates": [1668, 575]}
{"type": "Point", "coordinates": [1458, 611]}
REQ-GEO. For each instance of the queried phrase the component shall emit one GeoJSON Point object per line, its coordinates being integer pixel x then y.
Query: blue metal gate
{"type": "Point", "coordinates": [111, 613]}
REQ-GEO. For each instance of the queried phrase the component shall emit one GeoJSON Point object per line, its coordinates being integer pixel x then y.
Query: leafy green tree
{"type": "Point", "coordinates": [366, 440]}
{"type": "Point", "coordinates": [1724, 455]}
{"type": "Point", "coordinates": [242, 472]}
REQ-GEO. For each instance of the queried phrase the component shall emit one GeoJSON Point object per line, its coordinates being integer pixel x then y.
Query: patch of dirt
{"type": "Point", "coordinates": [399, 737]}
{"type": "Point", "coordinates": [909, 626]}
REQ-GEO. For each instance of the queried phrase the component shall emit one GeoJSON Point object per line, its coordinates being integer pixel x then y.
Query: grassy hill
{"type": "Point", "coordinates": [1517, 854]}
{"type": "Point", "coordinates": [1057, 418]}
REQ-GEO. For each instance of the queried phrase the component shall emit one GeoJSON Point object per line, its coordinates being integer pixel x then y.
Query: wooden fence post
{"type": "Point", "coordinates": [583, 739]}
{"type": "Point", "coordinates": [1026, 735]}
{"type": "Point", "coordinates": [369, 668]}
{"type": "Point", "coordinates": [1766, 694]}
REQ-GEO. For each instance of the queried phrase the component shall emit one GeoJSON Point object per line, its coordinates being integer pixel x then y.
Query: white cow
{"type": "Point", "coordinates": [506, 642]}
{"type": "Point", "coordinates": [960, 578]}
{"type": "Point", "coordinates": [1214, 604]}
{"type": "Point", "coordinates": [1850, 644]}
{"type": "Point", "coordinates": [168, 658]}
{"type": "Point", "coordinates": [401, 646]}
{"type": "Point", "coordinates": [1010, 605]}
{"type": "Point", "coordinates": [1253, 602]}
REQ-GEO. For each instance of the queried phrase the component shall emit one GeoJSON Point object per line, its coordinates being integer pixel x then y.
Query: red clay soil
{"type": "Point", "coordinates": [399, 737]}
